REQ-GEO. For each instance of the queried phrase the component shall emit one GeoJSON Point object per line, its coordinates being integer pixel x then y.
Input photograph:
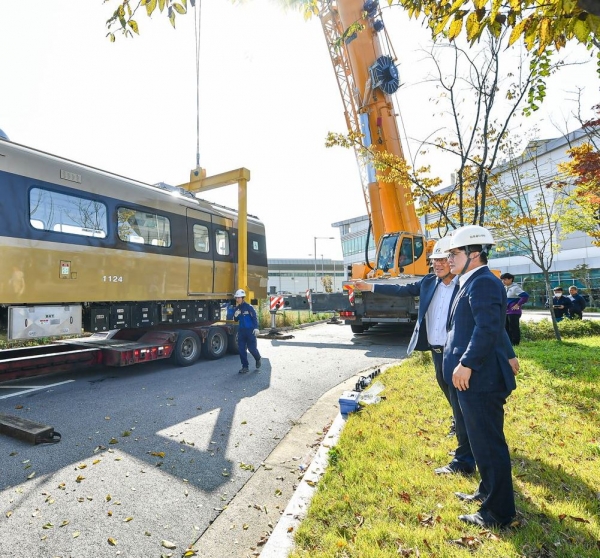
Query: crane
{"type": "Point", "coordinates": [364, 63]}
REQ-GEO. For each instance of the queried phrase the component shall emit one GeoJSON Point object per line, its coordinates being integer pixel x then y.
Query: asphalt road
{"type": "Point", "coordinates": [152, 455]}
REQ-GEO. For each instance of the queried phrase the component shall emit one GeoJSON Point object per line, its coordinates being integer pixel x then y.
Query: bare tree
{"type": "Point", "coordinates": [523, 211]}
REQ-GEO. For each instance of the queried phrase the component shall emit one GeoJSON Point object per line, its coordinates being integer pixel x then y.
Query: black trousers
{"type": "Point", "coordinates": [437, 354]}
{"type": "Point", "coordinates": [513, 328]}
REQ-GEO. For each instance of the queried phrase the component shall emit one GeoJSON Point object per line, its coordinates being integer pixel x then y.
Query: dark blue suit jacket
{"type": "Point", "coordinates": [425, 289]}
{"type": "Point", "coordinates": [476, 336]}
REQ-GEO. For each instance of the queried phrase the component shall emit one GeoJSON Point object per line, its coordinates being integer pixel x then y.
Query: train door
{"type": "Point", "coordinates": [225, 247]}
{"type": "Point", "coordinates": [201, 250]}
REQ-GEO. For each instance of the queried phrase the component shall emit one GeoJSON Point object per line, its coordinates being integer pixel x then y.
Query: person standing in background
{"type": "Point", "coordinates": [578, 303]}
{"type": "Point", "coordinates": [516, 297]}
{"type": "Point", "coordinates": [561, 304]}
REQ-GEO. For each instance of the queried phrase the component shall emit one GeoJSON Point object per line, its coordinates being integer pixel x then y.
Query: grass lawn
{"type": "Point", "coordinates": [380, 497]}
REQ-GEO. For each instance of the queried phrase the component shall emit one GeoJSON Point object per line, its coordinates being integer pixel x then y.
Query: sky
{"type": "Point", "coordinates": [268, 98]}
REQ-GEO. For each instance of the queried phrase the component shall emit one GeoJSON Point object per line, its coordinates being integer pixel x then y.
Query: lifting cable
{"type": "Point", "coordinates": [197, 4]}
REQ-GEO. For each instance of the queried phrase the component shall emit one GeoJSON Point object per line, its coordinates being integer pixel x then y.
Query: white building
{"type": "Point", "coordinates": [296, 276]}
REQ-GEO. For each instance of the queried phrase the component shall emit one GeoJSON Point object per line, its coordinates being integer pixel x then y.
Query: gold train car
{"type": "Point", "coordinates": [84, 248]}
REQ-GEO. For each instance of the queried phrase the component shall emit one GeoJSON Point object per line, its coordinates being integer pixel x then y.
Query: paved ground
{"type": "Point", "coordinates": [157, 453]}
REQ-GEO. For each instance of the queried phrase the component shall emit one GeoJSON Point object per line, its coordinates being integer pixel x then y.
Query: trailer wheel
{"type": "Point", "coordinates": [357, 328]}
{"type": "Point", "coordinates": [232, 344]}
{"type": "Point", "coordinates": [187, 348]}
{"type": "Point", "coordinates": [215, 344]}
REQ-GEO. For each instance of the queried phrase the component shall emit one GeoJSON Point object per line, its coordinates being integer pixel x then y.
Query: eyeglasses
{"type": "Point", "coordinates": [452, 255]}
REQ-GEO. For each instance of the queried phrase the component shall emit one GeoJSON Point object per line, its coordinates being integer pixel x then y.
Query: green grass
{"type": "Point", "coordinates": [380, 497]}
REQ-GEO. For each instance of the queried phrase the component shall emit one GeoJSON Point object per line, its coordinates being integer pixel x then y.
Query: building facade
{"type": "Point", "coordinates": [296, 276]}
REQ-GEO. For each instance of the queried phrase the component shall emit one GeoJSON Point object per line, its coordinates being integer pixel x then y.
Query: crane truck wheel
{"type": "Point", "coordinates": [215, 344]}
{"type": "Point", "coordinates": [357, 328]}
{"type": "Point", "coordinates": [187, 348]}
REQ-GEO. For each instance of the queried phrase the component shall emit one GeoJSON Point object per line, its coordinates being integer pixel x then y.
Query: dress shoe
{"type": "Point", "coordinates": [483, 519]}
{"type": "Point", "coordinates": [453, 468]}
{"type": "Point", "coordinates": [470, 497]}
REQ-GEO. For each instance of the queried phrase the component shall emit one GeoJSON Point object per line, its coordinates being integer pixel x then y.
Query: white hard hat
{"type": "Point", "coordinates": [240, 293]}
{"type": "Point", "coordinates": [471, 235]}
{"type": "Point", "coordinates": [440, 250]}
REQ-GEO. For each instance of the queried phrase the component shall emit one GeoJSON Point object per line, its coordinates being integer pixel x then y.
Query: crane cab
{"type": "Point", "coordinates": [401, 254]}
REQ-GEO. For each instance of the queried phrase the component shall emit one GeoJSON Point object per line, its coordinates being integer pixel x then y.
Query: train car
{"type": "Point", "coordinates": [84, 248]}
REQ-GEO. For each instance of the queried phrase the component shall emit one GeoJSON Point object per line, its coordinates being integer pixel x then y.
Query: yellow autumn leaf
{"type": "Point", "coordinates": [8, 513]}
{"type": "Point", "coordinates": [109, 513]}
{"type": "Point", "coordinates": [168, 544]}
{"type": "Point", "coordinates": [473, 26]}
{"type": "Point", "coordinates": [455, 29]}
{"type": "Point", "coordinates": [517, 31]}
{"type": "Point", "coordinates": [128, 519]}
{"type": "Point", "coordinates": [79, 478]}
{"type": "Point", "coordinates": [31, 475]}
{"type": "Point", "coordinates": [64, 523]}
{"type": "Point", "coordinates": [96, 461]}
{"type": "Point", "coordinates": [150, 6]}
{"type": "Point", "coordinates": [157, 453]}
{"type": "Point", "coordinates": [190, 552]}
{"type": "Point", "coordinates": [113, 441]}
{"type": "Point", "coordinates": [82, 466]}
{"type": "Point", "coordinates": [179, 8]}
{"type": "Point", "coordinates": [108, 497]}
{"type": "Point", "coordinates": [134, 26]}
{"type": "Point", "coordinates": [112, 541]}
{"type": "Point", "coordinates": [75, 534]}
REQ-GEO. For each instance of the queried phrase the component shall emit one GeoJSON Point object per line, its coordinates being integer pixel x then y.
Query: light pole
{"type": "Point", "coordinates": [315, 253]}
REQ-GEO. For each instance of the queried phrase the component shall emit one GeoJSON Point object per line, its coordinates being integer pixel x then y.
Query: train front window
{"type": "Point", "coordinates": [53, 211]}
{"type": "Point", "coordinates": [141, 227]}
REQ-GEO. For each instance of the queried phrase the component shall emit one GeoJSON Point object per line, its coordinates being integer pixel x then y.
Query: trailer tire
{"type": "Point", "coordinates": [357, 328]}
{"type": "Point", "coordinates": [215, 344]}
{"type": "Point", "coordinates": [232, 344]}
{"type": "Point", "coordinates": [187, 348]}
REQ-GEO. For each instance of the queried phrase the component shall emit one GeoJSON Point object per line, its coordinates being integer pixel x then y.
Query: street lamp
{"type": "Point", "coordinates": [315, 253]}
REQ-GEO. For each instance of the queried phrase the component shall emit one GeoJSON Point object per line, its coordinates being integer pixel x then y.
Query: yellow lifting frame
{"type": "Point", "coordinates": [199, 182]}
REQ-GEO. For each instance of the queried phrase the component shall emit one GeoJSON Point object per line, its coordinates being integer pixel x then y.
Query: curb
{"type": "Point", "coordinates": [281, 541]}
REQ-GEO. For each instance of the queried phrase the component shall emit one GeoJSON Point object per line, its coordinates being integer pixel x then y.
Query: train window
{"type": "Point", "coordinates": [53, 211]}
{"type": "Point", "coordinates": [201, 239]}
{"type": "Point", "coordinates": [143, 228]}
{"type": "Point", "coordinates": [222, 238]}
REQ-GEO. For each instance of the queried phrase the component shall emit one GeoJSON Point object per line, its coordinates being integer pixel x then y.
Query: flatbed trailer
{"type": "Point", "coordinates": [120, 348]}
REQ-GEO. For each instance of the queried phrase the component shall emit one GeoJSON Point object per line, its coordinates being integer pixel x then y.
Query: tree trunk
{"type": "Point", "coordinates": [550, 306]}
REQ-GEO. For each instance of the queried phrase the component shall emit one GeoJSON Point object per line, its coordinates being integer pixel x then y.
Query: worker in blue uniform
{"type": "Point", "coordinates": [477, 369]}
{"type": "Point", "coordinates": [245, 315]}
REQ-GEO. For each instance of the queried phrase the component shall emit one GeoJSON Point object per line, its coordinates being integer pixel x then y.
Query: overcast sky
{"type": "Point", "coordinates": [268, 98]}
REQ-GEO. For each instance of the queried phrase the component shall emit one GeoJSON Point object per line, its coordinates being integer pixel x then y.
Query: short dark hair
{"type": "Point", "coordinates": [558, 289]}
{"type": "Point", "coordinates": [507, 276]}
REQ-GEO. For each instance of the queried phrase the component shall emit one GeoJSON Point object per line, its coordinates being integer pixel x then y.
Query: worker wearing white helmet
{"type": "Point", "coordinates": [436, 291]}
{"type": "Point", "coordinates": [477, 369]}
{"type": "Point", "coordinates": [245, 315]}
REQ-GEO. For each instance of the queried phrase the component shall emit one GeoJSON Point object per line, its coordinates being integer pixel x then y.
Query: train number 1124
{"type": "Point", "coordinates": [112, 278]}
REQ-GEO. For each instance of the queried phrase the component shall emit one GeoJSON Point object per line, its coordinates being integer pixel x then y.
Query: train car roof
{"type": "Point", "coordinates": [160, 188]}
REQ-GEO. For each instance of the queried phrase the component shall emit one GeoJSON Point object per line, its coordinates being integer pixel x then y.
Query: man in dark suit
{"type": "Point", "coordinates": [435, 292]}
{"type": "Point", "coordinates": [479, 375]}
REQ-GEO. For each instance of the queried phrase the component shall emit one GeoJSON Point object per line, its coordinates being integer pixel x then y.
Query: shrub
{"type": "Point", "coordinates": [569, 329]}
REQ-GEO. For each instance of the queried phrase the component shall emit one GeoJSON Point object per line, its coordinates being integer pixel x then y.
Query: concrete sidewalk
{"type": "Point", "coordinates": [244, 527]}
